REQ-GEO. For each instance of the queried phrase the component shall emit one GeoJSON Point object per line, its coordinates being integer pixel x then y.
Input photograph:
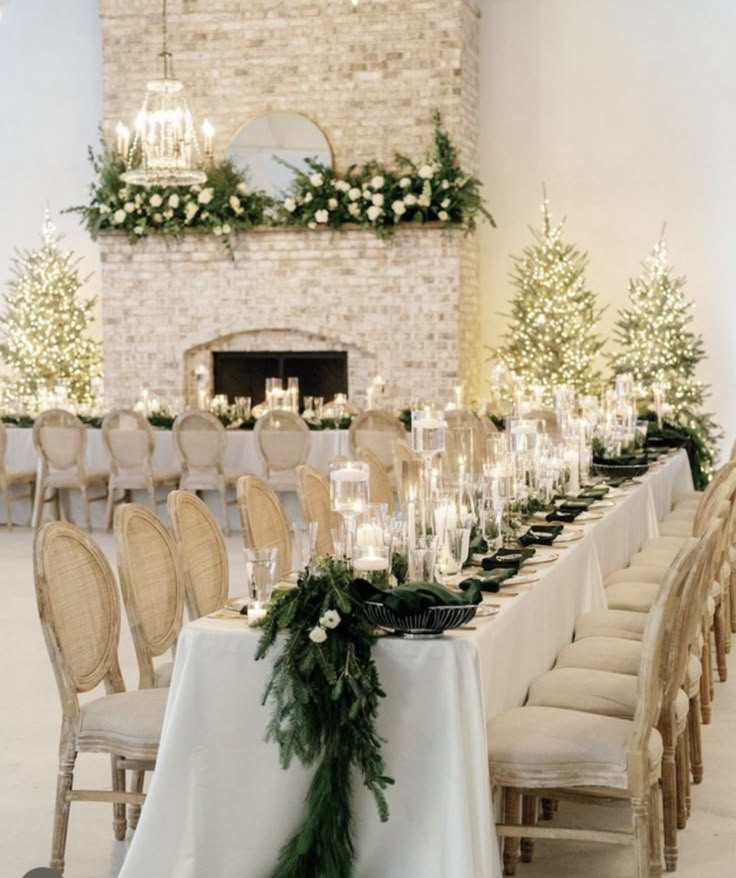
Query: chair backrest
{"type": "Point", "coordinates": [200, 440]}
{"type": "Point", "coordinates": [3, 446]}
{"type": "Point", "coordinates": [283, 440]}
{"type": "Point", "coordinates": [129, 440]}
{"type": "Point", "coordinates": [263, 522]}
{"type": "Point", "coordinates": [79, 609]}
{"type": "Point", "coordinates": [380, 489]}
{"type": "Point", "coordinates": [202, 552]}
{"type": "Point", "coordinates": [458, 418]}
{"type": "Point", "coordinates": [152, 584]}
{"type": "Point", "coordinates": [653, 669]}
{"type": "Point", "coordinates": [722, 484]}
{"type": "Point", "coordinates": [313, 491]}
{"type": "Point", "coordinates": [376, 430]}
{"type": "Point", "coordinates": [60, 439]}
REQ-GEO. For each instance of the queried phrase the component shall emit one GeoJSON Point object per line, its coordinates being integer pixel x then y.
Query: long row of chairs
{"type": "Point", "coordinates": [618, 718]}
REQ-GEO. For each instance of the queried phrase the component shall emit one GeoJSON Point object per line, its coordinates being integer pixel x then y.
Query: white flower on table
{"type": "Point", "coordinates": [138, 230]}
{"type": "Point", "coordinates": [410, 199]}
{"type": "Point", "coordinates": [104, 209]}
{"type": "Point", "coordinates": [155, 200]}
{"type": "Point", "coordinates": [374, 211]}
{"type": "Point", "coordinates": [377, 199]}
{"type": "Point", "coordinates": [342, 185]}
{"type": "Point", "coordinates": [354, 194]}
{"type": "Point", "coordinates": [443, 215]}
{"type": "Point", "coordinates": [405, 182]}
{"type": "Point", "coordinates": [424, 200]}
{"type": "Point", "coordinates": [377, 182]}
{"type": "Point", "coordinates": [398, 207]}
{"type": "Point", "coordinates": [308, 197]}
{"type": "Point", "coordinates": [173, 201]}
{"type": "Point", "coordinates": [316, 180]}
{"type": "Point", "coordinates": [206, 195]}
{"type": "Point", "coordinates": [332, 203]}
{"type": "Point", "coordinates": [234, 203]}
{"type": "Point", "coordinates": [119, 216]}
{"type": "Point", "coordinates": [354, 210]}
{"type": "Point", "coordinates": [445, 203]}
{"type": "Point", "coordinates": [290, 204]}
{"type": "Point", "coordinates": [158, 217]}
{"type": "Point", "coordinates": [426, 172]}
{"type": "Point", "coordinates": [217, 230]}
{"type": "Point", "coordinates": [226, 228]}
{"type": "Point", "coordinates": [312, 225]}
{"type": "Point", "coordinates": [445, 184]}
{"type": "Point", "coordinates": [129, 207]}
{"type": "Point", "coordinates": [321, 216]}
{"type": "Point", "coordinates": [190, 211]}
{"type": "Point", "coordinates": [242, 188]}
{"type": "Point", "coordinates": [318, 635]}
{"type": "Point", "coordinates": [330, 619]}
{"type": "Point", "coordinates": [168, 213]}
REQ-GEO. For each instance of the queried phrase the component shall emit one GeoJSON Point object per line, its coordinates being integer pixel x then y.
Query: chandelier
{"type": "Point", "coordinates": [164, 150]}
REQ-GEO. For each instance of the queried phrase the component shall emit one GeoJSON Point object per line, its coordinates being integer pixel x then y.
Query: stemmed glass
{"type": "Point", "coordinates": [349, 495]}
{"type": "Point", "coordinates": [427, 440]}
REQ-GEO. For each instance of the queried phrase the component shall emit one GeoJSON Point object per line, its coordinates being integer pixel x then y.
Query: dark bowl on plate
{"type": "Point", "coordinates": [620, 468]}
{"type": "Point", "coordinates": [426, 623]}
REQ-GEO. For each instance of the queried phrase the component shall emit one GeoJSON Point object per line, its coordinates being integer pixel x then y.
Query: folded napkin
{"type": "Point", "coordinates": [511, 558]}
{"type": "Point", "coordinates": [542, 534]}
{"type": "Point", "coordinates": [597, 492]}
{"type": "Point", "coordinates": [571, 504]}
{"type": "Point", "coordinates": [413, 597]}
{"type": "Point", "coordinates": [561, 514]}
{"type": "Point", "coordinates": [487, 581]}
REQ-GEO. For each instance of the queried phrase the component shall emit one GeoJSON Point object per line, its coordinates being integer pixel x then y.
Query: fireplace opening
{"type": "Point", "coordinates": [244, 373]}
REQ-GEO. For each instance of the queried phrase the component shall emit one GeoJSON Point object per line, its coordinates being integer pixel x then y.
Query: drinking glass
{"type": "Point", "coordinates": [349, 494]}
{"type": "Point", "coordinates": [369, 558]}
{"type": "Point", "coordinates": [305, 540]}
{"type": "Point", "coordinates": [260, 568]}
{"type": "Point", "coordinates": [422, 560]}
{"type": "Point", "coordinates": [242, 407]}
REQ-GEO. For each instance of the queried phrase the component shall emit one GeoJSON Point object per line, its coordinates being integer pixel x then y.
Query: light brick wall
{"type": "Point", "coordinates": [406, 308]}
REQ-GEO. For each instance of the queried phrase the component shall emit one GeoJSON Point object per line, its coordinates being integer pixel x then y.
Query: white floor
{"type": "Point", "coordinates": [29, 727]}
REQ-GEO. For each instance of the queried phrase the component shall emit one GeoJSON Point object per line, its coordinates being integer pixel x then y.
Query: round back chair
{"type": "Point", "coordinates": [263, 521]}
{"type": "Point", "coordinates": [376, 430]}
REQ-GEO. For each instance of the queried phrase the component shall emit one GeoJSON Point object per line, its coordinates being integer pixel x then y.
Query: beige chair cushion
{"type": "Point", "coordinates": [635, 596]}
{"type": "Point", "coordinates": [163, 675]}
{"type": "Point", "coordinates": [640, 573]}
{"type": "Point", "coordinates": [19, 476]}
{"type": "Point", "coordinates": [602, 654]}
{"type": "Point", "coordinates": [671, 543]}
{"type": "Point", "coordinates": [129, 717]}
{"type": "Point", "coordinates": [691, 497]}
{"type": "Point", "coordinates": [625, 624]}
{"type": "Point", "coordinates": [682, 513]}
{"type": "Point", "coordinates": [70, 478]}
{"type": "Point", "coordinates": [652, 559]}
{"type": "Point", "coordinates": [675, 528]}
{"type": "Point", "coordinates": [565, 742]}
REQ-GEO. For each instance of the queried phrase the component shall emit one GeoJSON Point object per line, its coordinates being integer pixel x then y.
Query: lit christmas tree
{"type": "Point", "coordinates": [43, 340]}
{"type": "Point", "coordinates": [658, 348]}
{"type": "Point", "coordinates": [551, 336]}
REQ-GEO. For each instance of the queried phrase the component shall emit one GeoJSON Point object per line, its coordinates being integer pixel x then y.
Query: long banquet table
{"type": "Point", "coordinates": [219, 804]}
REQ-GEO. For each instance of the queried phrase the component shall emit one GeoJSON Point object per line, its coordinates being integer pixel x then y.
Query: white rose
{"type": "Point", "coordinates": [234, 202]}
{"type": "Point", "coordinates": [367, 194]}
{"type": "Point", "coordinates": [190, 211]}
{"type": "Point", "coordinates": [138, 201]}
{"type": "Point", "coordinates": [311, 225]}
{"type": "Point", "coordinates": [445, 184]}
{"type": "Point", "coordinates": [318, 635]}
{"type": "Point", "coordinates": [226, 229]}
{"type": "Point", "coordinates": [174, 201]}
{"type": "Point", "coordinates": [321, 216]}
{"type": "Point", "coordinates": [424, 200]}
{"type": "Point", "coordinates": [123, 194]}
{"type": "Point", "coordinates": [377, 182]}
{"type": "Point", "coordinates": [168, 213]}
{"type": "Point", "coordinates": [316, 180]}
{"type": "Point", "coordinates": [290, 205]}
{"type": "Point", "coordinates": [425, 172]}
{"type": "Point", "coordinates": [405, 182]}
{"type": "Point", "coordinates": [398, 208]}
{"type": "Point", "coordinates": [354, 210]}
{"type": "Point", "coordinates": [443, 215]}
{"type": "Point", "coordinates": [332, 203]}
{"type": "Point", "coordinates": [410, 199]}
{"type": "Point", "coordinates": [158, 217]}
{"type": "Point", "coordinates": [353, 194]}
{"type": "Point", "coordinates": [196, 188]}
{"type": "Point", "coordinates": [445, 203]}
{"type": "Point", "coordinates": [374, 212]}
{"type": "Point", "coordinates": [342, 186]}
{"type": "Point", "coordinates": [129, 207]}
{"type": "Point", "coordinates": [330, 619]}
{"type": "Point", "coordinates": [217, 230]}
{"type": "Point", "coordinates": [206, 195]}
{"type": "Point", "coordinates": [138, 230]}
{"type": "Point", "coordinates": [308, 197]}
{"type": "Point", "coordinates": [205, 214]}
{"type": "Point", "coordinates": [242, 188]}
{"type": "Point", "coordinates": [104, 209]}
{"type": "Point", "coordinates": [118, 216]}
{"type": "Point", "coordinates": [156, 200]}
{"type": "Point", "coordinates": [378, 199]}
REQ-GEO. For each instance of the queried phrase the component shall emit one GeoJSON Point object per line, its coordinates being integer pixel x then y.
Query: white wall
{"type": "Point", "coordinates": [627, 110]}
{"type": "Point", "coordinates": [50, 107]}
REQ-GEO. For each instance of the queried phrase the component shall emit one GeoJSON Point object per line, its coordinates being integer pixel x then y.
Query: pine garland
{"type": "Point", "coordinates": [325, 692]}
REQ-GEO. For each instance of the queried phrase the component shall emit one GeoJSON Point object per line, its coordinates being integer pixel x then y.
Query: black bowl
{"type": "Point", "coordinates": [425, 623]}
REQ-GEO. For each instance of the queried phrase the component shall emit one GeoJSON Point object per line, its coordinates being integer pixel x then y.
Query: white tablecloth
{"type": "Point", "coordinates": [221, 807]}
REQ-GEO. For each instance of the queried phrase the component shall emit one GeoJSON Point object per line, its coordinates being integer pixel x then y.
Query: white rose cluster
{"type": "Point", "coordinates": [328, 621]}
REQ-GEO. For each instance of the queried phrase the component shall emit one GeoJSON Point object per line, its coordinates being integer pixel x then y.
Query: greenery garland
{"type": "Point", "coordinates": [325, 692]}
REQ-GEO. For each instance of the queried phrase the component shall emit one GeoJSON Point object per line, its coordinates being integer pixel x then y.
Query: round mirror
{"type": "Point", "coordinates": [262, 145]}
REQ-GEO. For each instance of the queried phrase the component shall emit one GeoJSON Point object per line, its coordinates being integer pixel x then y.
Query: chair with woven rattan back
{"type": "Point", "coordinates": [313, 491]}
{"type": "Point", "coordinates": [152, 585]}
{"type": "Point", "coordinates": [376, 430]}
{"type": "Point", "coordinates": [202, 552]}
{"type": "Point", "coordinates": [129, 440]}
{"type": "Point", "coordinates": [263, 522]}
{"type": "Point", "coordinates": [380, 489]}
{"type": "Point", "coordinates": [79, 608]}
{"type": "Point", "coordinates": [283, 440]}
{"type": "Point", "coordinates": [11, 477]}
{"type": "Point", "coordinates": [200, 440]}
{"type": "Point", "coordinates": [61, 441]}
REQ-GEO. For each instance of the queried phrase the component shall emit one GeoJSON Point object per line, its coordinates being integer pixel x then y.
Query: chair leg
{"type": "Point", "coordinates": [109, 507]}
{"type": "Point", "coordinates": [683, 781]}
{"type": "Point", "coordinates": [8, 512]}
{"type": "Point", "coordinates": [642, 829]}
{"type": "Point", "coordinates": [511, 815]}
{"type": "Point", "coordinates": [119, 823]}
{"type": "Point", "coordinates": [669, 796]}
{"type": "Point", "coordinates": [38, 499]}
{"type": "Point", "coordinates": [85, 507]}
{"type": "Point", "coordinates": [695, 740]}
{"type": "Point", "coordinates": [225, 512]}
{"type": "Point", "coordinates": [136, 786]}
{"type": "Point", "coordinates": [529, 814]}
{"type": "Point", "coordinates": [706, 681]}
{"type": "Point", "coordinates": [726, 599]}
{"type": "Point", "coordinates": [719, 632]}
{"type": "Point", "coordinates": [61, 812]}
{"type": "Point", "coordinates": [655, 832]}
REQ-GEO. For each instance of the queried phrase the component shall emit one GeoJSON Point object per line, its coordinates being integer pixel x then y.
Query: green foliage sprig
{"type": "Point", "coordinates": [436, 190]}
{"type": "Point", "coordinates": [325, 692]}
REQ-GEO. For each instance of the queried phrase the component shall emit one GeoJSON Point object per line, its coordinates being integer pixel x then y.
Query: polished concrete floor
{"type": "Point", "coordinates": [29, 728]}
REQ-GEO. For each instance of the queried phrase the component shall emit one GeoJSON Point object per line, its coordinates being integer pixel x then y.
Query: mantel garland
{"type": "Point", "coordinates": [325, 692]}
{"type": "Point", "coordinates": [372, 195]}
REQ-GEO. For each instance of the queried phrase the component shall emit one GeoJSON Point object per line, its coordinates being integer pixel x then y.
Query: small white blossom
{"type": "Point", "coordinates": [443, 215]}
{"type": "Point", "coordinates": [217, 230]}
{"type": "Point", "coordinates": [104, 209]}
{"type": "Point", "coordinates": [138, 200]}
{"type": "Point", "coordinates": [308, 197]}
{"type": "Point", "coordinates": [374, 212]}
{"type": "Point", "coordinates": [156, 200]}
{"type": "Point", "coordinates": [321, 216]}
{"type": "Point", "coordinates": [353, 194]}
{"type": "Point", "coordinates": [312, 225]}
{"type": "Point", "coordinates": [226, 229]}
{"type": "Point", "coordinates": [445, 203]}
{"type": "Point", "coordinates": [367, 194]}
{"type": "Point", "coordinates": [138, 230]}
{"type": "Point", "coordinates": [196, 188]}
{"type": "Point", "coordinates": [234, 202]}
{"type": "Point", "coordinates": [206, 195]}
{"type": "Point", "coordinates": [424, 200]}
{"type": "Point", "coordinates": [129, 207]}
{"type": "Point", "coordinates": [398, 207]}
{"type": "Point", "coordinates": [405, 182]}
{"type": "Point", "coordinates": [445, 184]}
{"type": "Point", "coordinates": [410, 199]}
{"type": "Point", "coordinates": [242, 188]}
{"type": "Point", "coordinates": [342, 185]}
{"type": "Point", "coordinates": [123, 194]}
{"type": "Point", "coordinates": [174, 201]}
{"type": "Point", "coordinates": [118, 216]}
{"type": "Point", "coordinates": [332, 203]}
{"type": "Point", "coordinates": [190, 211]}
{"type": "Point", "coordinates": [205, 214]}
{"type": "Point", "coordinates": [158, 217]}
{"type": "Point", "coordinates": [318, 635]}
{"type": "Point", "coordinates": [316, 180]}
{"type": "Point", "coordinates": [354, 210]}
{"type": "Point", "coordinates": [330, 619]}
{"type": "Point", "coordinates": [377, 182]}
{"type": "Point", "coordinates": [168, 213]}
{"type": "Point", "coordinates": [377, 199]}
{"type": "Point", "coordinates": [290, 205]}
{"type": "Point", "coordinates": [425, 172]}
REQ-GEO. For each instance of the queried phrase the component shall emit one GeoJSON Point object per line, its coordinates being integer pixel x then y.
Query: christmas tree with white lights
{"type": "Point", "coordinates": [551, 338]}
{"type": "Point", "coordinates": [658, 347]}
{"type": "Point", "coordinates": [43, 336]}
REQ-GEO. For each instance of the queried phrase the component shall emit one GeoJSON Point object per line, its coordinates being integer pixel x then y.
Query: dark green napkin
{"type": "Point", "coordinates": [542, 534]}
{"type": "Point", "coordinates": [487, 581]}
{"type": "Point", "coordinates": [511, 558]}
{"type": "Point", "coordinates": [561, 515]}
{"type": "Point", "coordinates": [580, 504]}
{"type": "Point", "coordinates": [413, 597]}
{"type": "Point", "coordinates": [595, 493]}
